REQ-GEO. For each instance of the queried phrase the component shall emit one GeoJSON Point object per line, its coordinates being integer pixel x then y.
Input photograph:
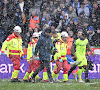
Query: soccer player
{"type": "Point", "coordinates": [79, 33]}
{"type": "Point", "coordinates": [81, 43]}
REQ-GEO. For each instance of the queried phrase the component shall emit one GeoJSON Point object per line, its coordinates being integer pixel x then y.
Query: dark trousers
{"type": "Point", "coordinates": [43, 64]}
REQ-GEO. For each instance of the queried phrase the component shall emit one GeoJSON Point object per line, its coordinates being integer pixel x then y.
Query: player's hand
{"type": "Point", "coordinates": [74, 57]}
{"type": "Point", "coordinates": [55, 41]}
{"type": "Point", "coordinates": [93, 54]}
{"type": "Point", "coordinates": [22, 57]}
{"type": "Point", "coordinates": [87, 54]}
{"type": "Point", "coordinates": [2, 54]}
{"type": "Point", "coordinates": [55, 50]}
{"type": "Point", "coordinates": [37, 58]}
{"type": "Point", "coordinates": [60, 60]}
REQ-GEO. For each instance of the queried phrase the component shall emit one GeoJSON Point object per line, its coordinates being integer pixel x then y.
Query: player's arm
{"type": "Point", "coordinates": [21, 53]}
{"type": "Point", "coordinates": [4, 45]}
{"type": "Point", "coordinates": [69, 60]}
{"type": "Point", "coordinates": [88, 46]}
{"type": "Point", "coordinates": [29, 52]}
{"type": "Point", "coordinates": [38, 45]}
{"type": "Point", "coordinates": [57, 55]}
{"type": "Point", "coordinates": [73, 49]}
{"type": "Point", "coordinates": [55, 41]}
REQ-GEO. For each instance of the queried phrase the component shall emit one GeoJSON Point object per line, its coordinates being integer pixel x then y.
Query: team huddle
{"type": "Point", "coordinates": [40, 49]}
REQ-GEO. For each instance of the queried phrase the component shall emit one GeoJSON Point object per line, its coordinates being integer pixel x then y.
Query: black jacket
{"type": "Point", "coordinates": [44, 46]}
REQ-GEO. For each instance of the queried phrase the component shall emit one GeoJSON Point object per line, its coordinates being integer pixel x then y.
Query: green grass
{"type": "Point", "coordinates": [5, 84]}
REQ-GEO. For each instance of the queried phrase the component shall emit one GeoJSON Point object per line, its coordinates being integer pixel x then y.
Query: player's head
{"type": "Point", "coordinates": [64, 36]}
{"type": "Point", "coordinates": [79, 33]}
{"type": "Point", "coordinates": [35, 35]}
{"type": "Point", "coordinates": [54, 34]}
{"type": "Point", "coordinates": [17, 30]}
{"type": "Point", "coordinates": [83, 36]}
{"type": "Point", "coordinates": [48, 32]}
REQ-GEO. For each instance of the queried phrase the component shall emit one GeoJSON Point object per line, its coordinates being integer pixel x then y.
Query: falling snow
{"type": "Point", "coordinates": [33, 16]}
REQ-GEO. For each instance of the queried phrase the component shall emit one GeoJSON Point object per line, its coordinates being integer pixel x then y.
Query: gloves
{"type": "Point", "coordinates": [37, 58]}
{"type": "Point", "coordinates": [22, 57]}
{"type": "Point", "coordinates": [60, 60]}
{"type": "Point", "coordinates": [54, 51]}
{"type": "Point", "coordinates": [2, 54]}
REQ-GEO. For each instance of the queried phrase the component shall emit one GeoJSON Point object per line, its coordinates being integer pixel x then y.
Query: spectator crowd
{"type": "Point", "coordinates": [59, 15]}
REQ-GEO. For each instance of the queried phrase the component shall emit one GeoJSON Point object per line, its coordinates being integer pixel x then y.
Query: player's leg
{"type": "Point", "coordinates": [72, 68]}
{"type": "Point", "coordinates": [59, 66]}
{"type": "Point", "coordinates": [37, 77]}
{"type": "Point", "coordinates": [86, 75]}
{"type": "Point", "coordinates": [56, 76]}
{"type": "Point", "coordinates": [80, 74]}
{"type": "Point", "coordinates": [75, 73]}
{"type": "Point", "coordinates": [85, 69]}
{"type": "Point", "coordinates": [72, 63]}
{"type": "Point", "coordinates": [25, 79]}
{"type": "Point", "coordinates": [54, 69]}
{"type": "Point", "coordinates": [80, 58]}
{"type": "Point", "coordinates": [45, 75]}
{"type": "Point", "coordinates": [35, 65]}
{"type": "Point", "coordinates": [47, 65]}
{"type": "Point", "coordinates": [41, 67]}
{"type": "Point", "coordinates": [16, 64]}
{"type": "Point", "coordinates": [65, 73]}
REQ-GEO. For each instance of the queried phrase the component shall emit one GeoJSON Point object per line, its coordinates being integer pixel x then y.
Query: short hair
{"type": "Point", "coordinates": [54, 32]}
{"type": "Point", "coordinates": [79, 30]}
{"type": "Point", "coordinates": [48, 30]}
